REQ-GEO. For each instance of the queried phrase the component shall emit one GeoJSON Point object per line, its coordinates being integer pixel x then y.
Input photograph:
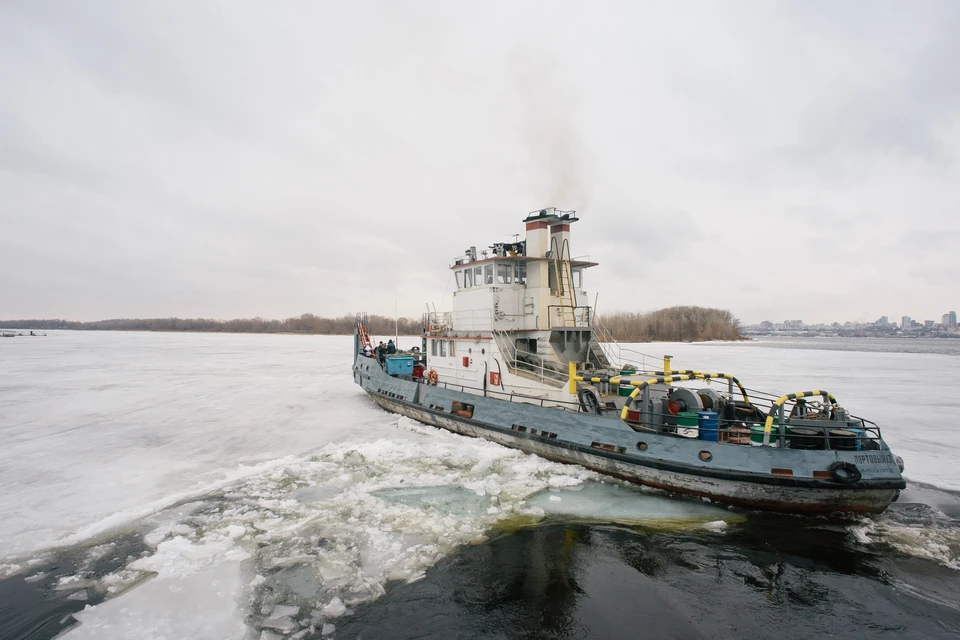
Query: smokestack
{"type": "Point", "coordinates": [538, 241]}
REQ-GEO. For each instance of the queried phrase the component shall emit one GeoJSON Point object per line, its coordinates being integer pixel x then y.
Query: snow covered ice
{"type": "Point", "coordinates": [271, 495]}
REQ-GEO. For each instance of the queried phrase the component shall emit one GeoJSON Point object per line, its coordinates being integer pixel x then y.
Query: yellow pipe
{"type": "Point", "coordinates": [573, 378]}
{"type": "Point", "coordinates": [768, 423]}
{"type": "Point", "coordinates": [666, 363]}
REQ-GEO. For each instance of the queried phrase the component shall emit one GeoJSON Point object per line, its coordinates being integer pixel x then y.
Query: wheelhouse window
{"type": "Point", "coordinates": [504, 273]}
{"type": "Point", "coordinates": [488, 274]}
{"type": "Point", "coordinates": [459, 279]}
{"type": "Point", "coordinates": [578, 279]}
{"type": "Point", "coordinates": [468, 278]}
{"type": "Point", "coordinates": [520, 273]}
{"type": "Point", "coordinates": [478, 276]}
{"type": "Point", "coordinates": [433, 347]}
{"type": "Point", "coordinates": [453, 348]}
{"type": "Point", "coordinates": [443, 348]}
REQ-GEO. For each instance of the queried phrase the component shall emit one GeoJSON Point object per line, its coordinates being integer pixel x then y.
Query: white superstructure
{"type": "Point", "coordinates": [520, 315]}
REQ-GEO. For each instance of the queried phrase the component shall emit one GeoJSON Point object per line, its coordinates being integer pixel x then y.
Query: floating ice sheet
{"type": "Point", "coordinates": [325, 532]}
{"type": "Point", "coordinates": [613, 501]}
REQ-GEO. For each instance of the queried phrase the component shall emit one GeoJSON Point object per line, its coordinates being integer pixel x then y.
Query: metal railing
{"type": "Point", "coordinates": [569, 317]}
{"type": "Point", "coordinates": [517, 359]}
{"type": "Point", "coordinates": [614, 351]}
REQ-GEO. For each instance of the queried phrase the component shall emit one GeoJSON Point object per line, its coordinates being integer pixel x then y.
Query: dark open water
{"type": "Point", "coordinates": [769, 577]}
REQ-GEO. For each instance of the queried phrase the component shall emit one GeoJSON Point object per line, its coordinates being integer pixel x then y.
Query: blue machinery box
{"type": "Point", "coordinates": [400, 365]}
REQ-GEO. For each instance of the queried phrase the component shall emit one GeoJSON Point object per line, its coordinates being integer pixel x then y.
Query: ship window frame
{"type": "Point", "coordinates": [453, 348]}
{"type": "Point", "coordinates": [504, 273]}
{"type": "Point", "coordinates": [488, 274]}
{"type": "Point", "coordinates": [459, 275]}
{"type": "Point", "coordinates": [433, 346]}
{"type": "Point", "coordinates": [443, 348]}
{"type": "Point", "coordinates": [478, 276]}
{"type": "Point", "coordinates": [578, 278]}
{"type": "Point", "coordinates": [520, 273]}
{"type": "Point", "coordinates": [467, 278]}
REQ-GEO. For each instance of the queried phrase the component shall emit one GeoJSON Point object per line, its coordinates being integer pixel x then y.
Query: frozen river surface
{"type": "Point", "coordinates": [228, 486]}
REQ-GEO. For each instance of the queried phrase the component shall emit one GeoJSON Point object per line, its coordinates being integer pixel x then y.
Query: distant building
{"type": "Point", "coordinates": [905, 322]}
{"type": "Point", "coordinates": [953, 319]}
{"type": "Point", "coordinates": [929, 324]}
{"type": "Point", "coordinates": [766, 325]}
{"type": "Point", "coordinates": [883, 321]}
{"type": "Point", "coordinates": [945, 320]}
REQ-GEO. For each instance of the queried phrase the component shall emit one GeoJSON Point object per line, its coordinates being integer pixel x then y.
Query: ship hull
{"type": "Point", "coordinates": [768, 478]}
{"type": "Point", "coordinates": [738, 493]}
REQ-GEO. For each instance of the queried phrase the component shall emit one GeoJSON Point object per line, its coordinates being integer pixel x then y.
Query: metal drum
{"type": "Point", "coordinates": [805, 438]}
{"type": "Point", "coordinates": [844, 440]}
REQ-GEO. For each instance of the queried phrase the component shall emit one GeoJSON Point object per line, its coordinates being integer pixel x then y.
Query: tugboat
{"type": "Point", "coordinates": [521, 360]}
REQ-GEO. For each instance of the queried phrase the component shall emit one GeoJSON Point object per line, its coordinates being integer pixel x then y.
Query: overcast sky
{"type": "Point", "coordinates": [224, 159]}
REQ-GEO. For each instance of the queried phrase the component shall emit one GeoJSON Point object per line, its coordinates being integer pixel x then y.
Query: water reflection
{"type": "Point", "coordinates": [770, 576]}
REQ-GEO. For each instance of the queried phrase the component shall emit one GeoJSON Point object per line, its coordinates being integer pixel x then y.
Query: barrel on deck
{"type": "Point", "coordinates": [709, 424]}
{"type": "Point", "coordinates": [806, 438]}
{"type": "Point", "coordinates": [687, 424]}
{"type": "Point", "coordinates": [757, 431]}
{"type": "Point", "coordinates": [626, 389]}
{"type": "Point", "coordinates": [845, 439]}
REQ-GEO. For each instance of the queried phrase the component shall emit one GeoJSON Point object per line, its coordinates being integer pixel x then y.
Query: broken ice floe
{"type": "Point", "coordinates": [324, 533]}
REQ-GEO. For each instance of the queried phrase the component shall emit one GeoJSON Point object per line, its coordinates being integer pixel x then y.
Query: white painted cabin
{"type": "Point", "coordinates": [520, 316]}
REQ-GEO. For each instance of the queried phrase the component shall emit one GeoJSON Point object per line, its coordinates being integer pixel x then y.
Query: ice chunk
{"type": "Point", "coordinates": [284, 611]}
{"type": "Point", "coordinates": [328, 629]}
{"type": "Point", "coordinates": [613, 502]}
{"type": "Point", "coordinates": [200, 605]}
{"type": "Point", "coordinates": [73, 583]}
{"type": "Point", "coordinates": [334, 609]}
{"type": "Point", "coordinates": [78, 595]}
{"type": "Point", "coordinates": [715, 525]}
{"type": "Point", "coordinates": [283, 625]}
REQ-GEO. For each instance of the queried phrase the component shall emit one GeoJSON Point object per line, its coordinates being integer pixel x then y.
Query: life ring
{"type": "Point", "coordinates": [844, 472]}
{"type": "Point", "coordinates": [432, 377]}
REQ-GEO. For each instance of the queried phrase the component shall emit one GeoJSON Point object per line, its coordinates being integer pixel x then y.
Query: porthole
{"type": "Point", "coordinates": [483, 352]}
{"type": "Point", "coordinates": [642, 446]}
{"type": "Point", "coordinates": [706, 456]}
{"type": "Point", "coordinates": [470, 350]}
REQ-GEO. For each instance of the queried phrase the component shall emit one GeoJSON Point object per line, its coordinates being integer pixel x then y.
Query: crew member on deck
{"type": "Point", "coordinates": [391, 348]}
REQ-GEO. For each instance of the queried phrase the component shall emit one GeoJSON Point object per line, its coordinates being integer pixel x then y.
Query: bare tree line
{"type": "Point", "coordinates": [307, 323]}
{"type": "Point", "coordinates": [676, 324]}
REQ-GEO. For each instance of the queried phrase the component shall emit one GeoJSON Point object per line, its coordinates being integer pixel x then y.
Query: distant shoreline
{"type": "Point", "coordinates": [303, 333]}
{"type": "Point", "coordinates": [675, 324]}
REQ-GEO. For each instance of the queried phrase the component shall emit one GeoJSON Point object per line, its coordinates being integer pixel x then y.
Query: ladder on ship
{"type": "Point", "coordinates": [568, 297]}
{"type": "Point", "coordinates": [362, 331]}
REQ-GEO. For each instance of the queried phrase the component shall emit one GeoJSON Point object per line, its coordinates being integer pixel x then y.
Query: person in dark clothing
{"type": "Point", "coordinates": [391, 348]}
{"type": "Point", "coordinates": [380, 351]}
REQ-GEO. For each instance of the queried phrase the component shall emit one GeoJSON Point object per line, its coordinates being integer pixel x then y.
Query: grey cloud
{"type": "Point", "coordinates": [219, 159]}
